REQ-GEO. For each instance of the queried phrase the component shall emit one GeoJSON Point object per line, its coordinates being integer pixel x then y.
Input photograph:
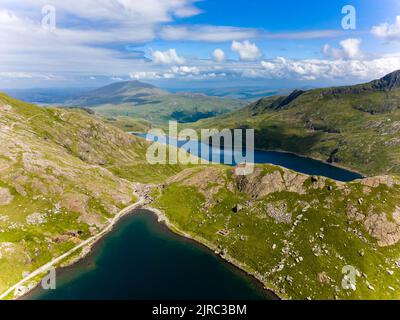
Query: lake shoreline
{"type": "Point", "coordinates": [91, 249]}
{"type": "Point", "coordinates": [254, 275]}
{"type": "Point", "coordinates": [279, 151]}
{"type": "Point", "coordinates": [336, 165]}
{"type": "Point", "coordinates": [86, 249]}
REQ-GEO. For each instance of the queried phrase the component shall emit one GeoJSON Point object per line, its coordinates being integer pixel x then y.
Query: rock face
{"type": "Point", "coordinates": [36, 218]}
{"type": "Point", "coordinates": [389, 82]}
{"type": "Point", "coordinates": [260, 184]}
{"type": "Point", "coordinates": [383, 226]}
{"type": "Point", "coordinates": [386, 232]}
{"type": "Point", "coordinates": [5, 196]}
{"type": "Point", "coordinates": [279, 212]}
{"type": "Point", "coordinates": [208, 181]}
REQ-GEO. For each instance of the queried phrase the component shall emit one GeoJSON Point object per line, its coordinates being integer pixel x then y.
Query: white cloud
{"type": "Point", "coordinates": [247, 51]}
{"type": "Point", "coordinates": [139, 75]}
{"type": "Point", "coordinates": [388, 31]}
{"type": "Point", "coordinates": [200, 72]}
{"type": "Point", "coordinates": [349, 49]}
{"type": "Point", "coordinates": [185, 70]}
{"type": "Point", "coordinates": [71, 51]}
{"type": "Point", "coordinates": [132, 12]}
{"type": "Point", "coordinates": [206, 33]}
{"type": "Point", "coordinates": [26, 75]}
{"type": "Point", "coordinates": [314, 69]}
{"type": "Point", "coordinates": [210, 33]}
{"type": "Point", "coordinates": [218, 55]}
{"type": "Point", "coordinates": [167, 57]}
{"type": "Point", "coordinates": [282, 69]}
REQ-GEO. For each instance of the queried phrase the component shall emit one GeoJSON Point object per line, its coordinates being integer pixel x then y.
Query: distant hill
{"type": "Point", "coordinates": [117, 93]}
{"type": "Point", "coordinates": [244, 93]}
{"type": "Point", "coordinates": [141, 100]}
{"type": "Point", "coordinates": [353, 126]}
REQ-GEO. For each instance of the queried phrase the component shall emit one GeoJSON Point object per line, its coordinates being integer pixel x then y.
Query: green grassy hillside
{"type": "Point", "coordinates": [356, 126]}
{"type": "Point", "coordinates": [294, 232]}
{"type": "Point", "coordinates": [63, 175]}
{"type": "Point", "coordinates": [139, 100]}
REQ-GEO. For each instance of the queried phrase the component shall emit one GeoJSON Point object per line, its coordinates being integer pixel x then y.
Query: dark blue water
{"type": "Point", "coordinates": [142, 259]}
{"type": "Point", "coordinates": [288, 160]}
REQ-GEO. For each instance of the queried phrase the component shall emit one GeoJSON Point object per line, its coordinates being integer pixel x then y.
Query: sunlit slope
{"type": "Point", "coordinates": [356, 126]}
{"type": "Point", "coordinates": [63, 175]}
{"type": "Point", "coordinates": [299, 235]}
{"type": "Point", "coordinates": [140, 100]}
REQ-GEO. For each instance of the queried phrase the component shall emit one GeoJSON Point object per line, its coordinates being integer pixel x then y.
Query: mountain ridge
{"type": "Point", "coordinates": [65, 173]}
{"type": "Point", "coordinates": [145, 101]}
{"type": "Point", "coordinates": [352, 126]}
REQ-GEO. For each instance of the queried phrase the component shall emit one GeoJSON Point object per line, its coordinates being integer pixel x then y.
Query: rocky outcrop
{"type": "Point", "coordinates": [388, 82]}
{"type": "Point", "coordinates": [386, 232]}
{"type": "Point", "coordinates": [376, 181]}
{"type": "Point", "coordinates": [260, 183]}
{"type": "Point", "coordinates": [279, 212]}
{"type": "Point", "coordinates": [208, 181]}
{"type": "Point", "coordinates": [5, 196]}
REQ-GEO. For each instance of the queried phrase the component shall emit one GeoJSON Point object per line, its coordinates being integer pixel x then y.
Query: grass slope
{"type": "Point", "coordinates": [63, 175]}
{"type": "Point", "coordinates": [144, 101]}
{"type": "Point", "coordinates": [357, 127]}
{"type": "Point", "coordinates": [295, 233]}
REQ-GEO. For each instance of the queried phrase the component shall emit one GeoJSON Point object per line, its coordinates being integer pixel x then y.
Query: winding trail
{"type": "Point", "coordinates": [50, 264]}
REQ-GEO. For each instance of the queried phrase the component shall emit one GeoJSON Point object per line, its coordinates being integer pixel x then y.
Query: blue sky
{"type": "Point", "coordinates": [172, 42]}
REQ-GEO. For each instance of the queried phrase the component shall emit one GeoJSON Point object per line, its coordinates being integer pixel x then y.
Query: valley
{"type": "Point", "coordinates": [140, 100]}
{"type": "Point", "coordinates": [66, 175]}
{"type": "Point", "coordinates": [355, 127]}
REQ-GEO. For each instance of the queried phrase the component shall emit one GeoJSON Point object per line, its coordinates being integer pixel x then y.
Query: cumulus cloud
{"type": "Point", "coordinates": [315, 69]}
{"type": "Point", "coordinates": [200, 72]}
{"type": "Point", "coordinates": [349, 49]}
{"type": "Point", "coordinates": [388, 31]}
{"type": "Point", "coordinates": [280, 68]}
{"type": "Point", "coordinates": [247, 50]}
{"type": "Point", "coordinates": [218, 55]}
{"type": "Point", "coordinates": [71, 51]}
{"type": "Point", "coordinates": [139, 75]}
{"type": "Point", "coordinates": [185, 70]}
{"type": "Point", "coordinates": [167, 57]}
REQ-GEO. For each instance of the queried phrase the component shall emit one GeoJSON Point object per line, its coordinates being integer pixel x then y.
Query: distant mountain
{"type": "Point", "coordinates": [141, 100]}
{"type": "Point", "coordinates": [65, 175]}
{"type": "Point", "coordinates": [353, 126]}
{"type": "Point", "coordinates": [243, 93]}
{"type": "Point", "coordinates": [117, 93]}
{"type": "Point", "coordinates": [45, 96]}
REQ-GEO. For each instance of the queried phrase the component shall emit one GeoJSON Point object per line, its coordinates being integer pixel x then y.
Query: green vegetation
{"type": "Point", "coordinates": [294, 232]}
{"type": "Point", "coordinates": [63, 175]}
{"type": "Point", "coordinates": [356, 127]}
{"type": "Point", "coordinates": [129, 124]}
{"type": "Point", "coordinates": [133, 99]}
